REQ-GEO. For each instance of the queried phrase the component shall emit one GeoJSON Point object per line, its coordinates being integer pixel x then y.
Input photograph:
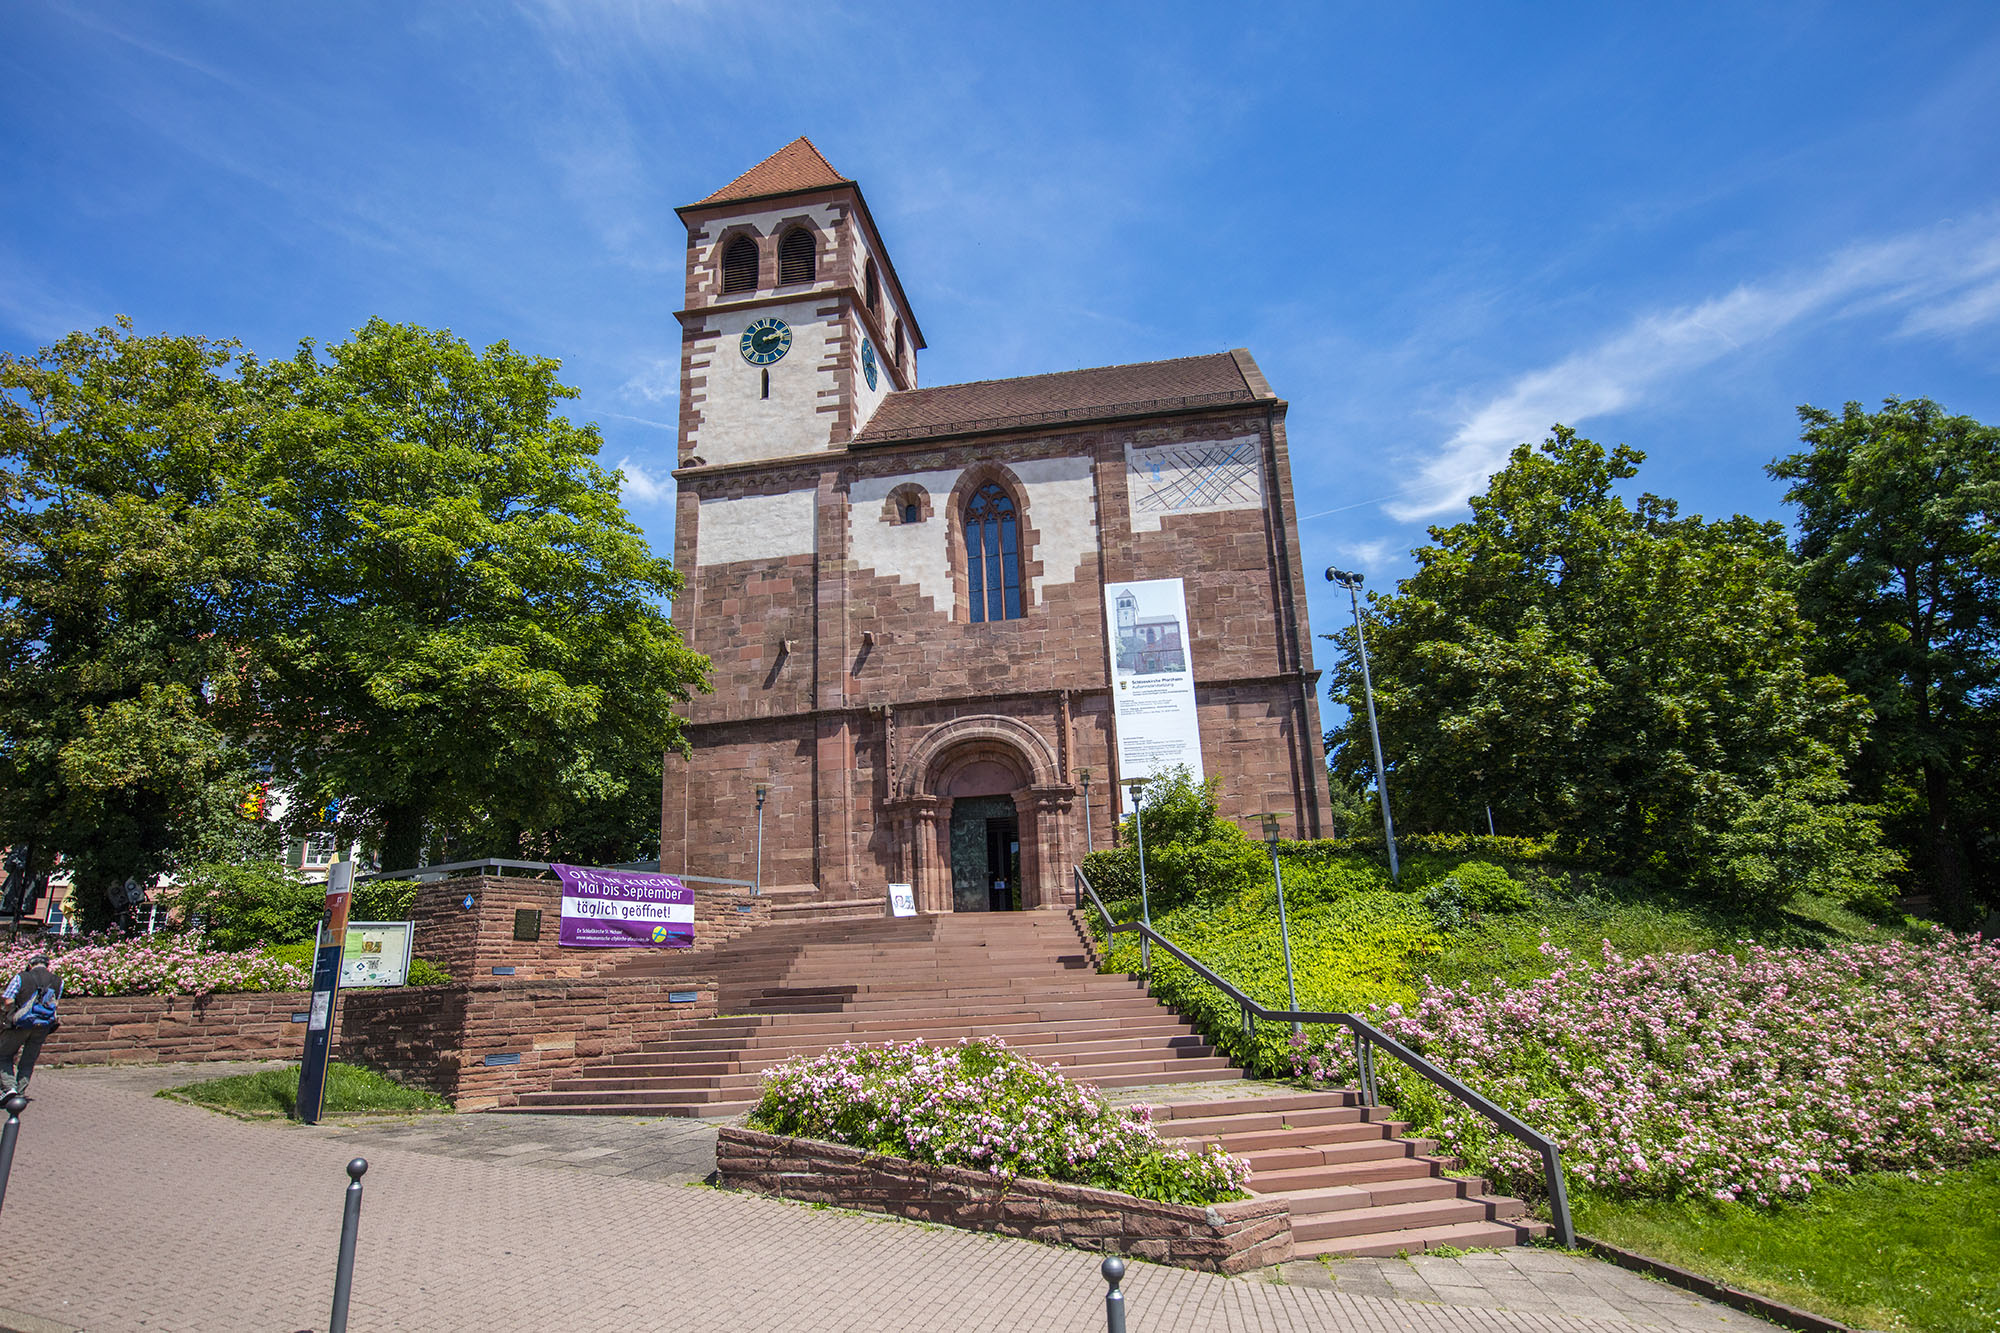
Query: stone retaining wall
{"type": "Point", "coordinates": [1221, 1238]}
{"type": "Point", "coordinates": [435, 1037]}
{"type": "Point", "coordinates": [108, 1029]}
{"type": "Point", "coordinates": [471, 942]}
{"type": "Point", "coordinates": [535, 1031]}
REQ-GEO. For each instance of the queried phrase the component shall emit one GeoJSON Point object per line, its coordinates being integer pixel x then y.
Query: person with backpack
{"type": "Point", "coordinates": [29, 1006]}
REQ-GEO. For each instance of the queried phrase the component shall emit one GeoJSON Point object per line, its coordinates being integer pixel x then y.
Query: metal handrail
{"type": "Point", "coordinates": [1366, 1038]}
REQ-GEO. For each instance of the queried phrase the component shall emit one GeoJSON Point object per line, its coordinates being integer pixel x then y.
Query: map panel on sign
{"type": "Point", "coordinates": [1198, 478]}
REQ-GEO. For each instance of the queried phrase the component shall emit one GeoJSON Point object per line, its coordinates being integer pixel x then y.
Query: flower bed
{"type": "Point", "coordinates": [154, 965]}
{"type": "Point", "coordinates": [981, 1106]}
{"type": "Point", "coordinates": [1675, 1075]}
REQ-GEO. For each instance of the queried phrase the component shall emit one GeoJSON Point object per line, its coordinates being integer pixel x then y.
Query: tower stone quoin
{"type": "Point", "coordinates": [902, 589]}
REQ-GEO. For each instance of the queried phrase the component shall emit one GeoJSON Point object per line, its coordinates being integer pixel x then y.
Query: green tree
{"type": "Point", "coordinates": [1899, 540]}
{"type": "Point", "coordinates": [476, 649]}
{"type": "Point", "coordinates": [1635, 682]}
{"type": "Point", "coordinates": [132, 542]}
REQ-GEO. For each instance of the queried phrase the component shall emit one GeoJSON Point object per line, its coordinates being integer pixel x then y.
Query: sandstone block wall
{"type": "Point", "coordinates": [1221, 1238]}
{"type": "Point", "coordinates": [148, 1029]}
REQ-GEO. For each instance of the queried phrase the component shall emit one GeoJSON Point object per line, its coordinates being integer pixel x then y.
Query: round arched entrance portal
{"type": "Point", "coordinates": [982, 818]}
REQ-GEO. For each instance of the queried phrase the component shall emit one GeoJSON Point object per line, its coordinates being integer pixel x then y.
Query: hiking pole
{"type": "Point", "coordinates": [14, 1103]}
{"type": "Point", "coordinates": [1113, 1270]}
{"type": "Point", "coordinates": [350, 1222]}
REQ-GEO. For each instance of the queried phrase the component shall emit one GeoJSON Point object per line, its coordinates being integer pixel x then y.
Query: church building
{"type": "Point", "coordinates": [946, 622]}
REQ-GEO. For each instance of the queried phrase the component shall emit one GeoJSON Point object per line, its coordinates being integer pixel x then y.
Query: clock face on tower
{"type": "Point", "coordinates": [766, 341]}
{"type": "Point", "coordinates": [868, 361]}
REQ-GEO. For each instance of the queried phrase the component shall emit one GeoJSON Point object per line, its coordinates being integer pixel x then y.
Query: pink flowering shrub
{"type": "Point", "coordinates": [979, 1105]}
{"type": "Point", "coordinates": [1707, 1074]}
{"type": "Point", "coordinates": [153, 965]}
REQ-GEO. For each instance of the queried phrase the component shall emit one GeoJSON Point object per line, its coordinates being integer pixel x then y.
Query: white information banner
{"type": "Point", "coordinates": [1152, 679]}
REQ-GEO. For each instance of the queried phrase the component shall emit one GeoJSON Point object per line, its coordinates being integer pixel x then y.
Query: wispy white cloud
{"type": "Point", "coordinates": [658, 381]}
{"type": "Point", "coordinates": [39, 308]}
{"type": "Point", "coordinates": [1374, 556]}
{"type": "Point", "coordinates": [1944, 279]}
{"type": "Point", "coordinates": [642, 486]}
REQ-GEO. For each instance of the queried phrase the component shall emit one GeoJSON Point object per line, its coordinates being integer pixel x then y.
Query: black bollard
{"type": "Point", "coordinates": [1113, 1270]}
{"type": "Point", "coordinates": [350, 1222]}
{"type": "Point", "coordinates": [14, 1103]}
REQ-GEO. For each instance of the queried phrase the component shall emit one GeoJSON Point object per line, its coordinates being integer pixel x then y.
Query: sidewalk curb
{"type": "Point", "coordinates": [1749, 1302]}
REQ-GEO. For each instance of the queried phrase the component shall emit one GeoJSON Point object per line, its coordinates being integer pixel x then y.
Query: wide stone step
{"type": "Point", "coordinates": [1306, 1136]}
{"type": "Point", "coordinates": [773, 1050]}
{"type": "Point", "coordinates": [1417, 1240]}
{"type": "Point", "coordinates": [1364, 1174]}
{"type": "Point", "coordinates": [1350, 1198]}
{"type": "Point", "coordinates": [1281, 1102]}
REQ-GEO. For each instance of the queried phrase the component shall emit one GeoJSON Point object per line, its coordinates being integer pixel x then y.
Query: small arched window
{"type": "Point", "coordinates": [912, 512]}
{"type": "Point", "coordinates": [739, 265]}
{"type": "Point", "coordinates": [992, 555]}
{"type": "Point", "coordinates": [798, 257]}
{"type": "Point", "coordinates": [899, 345]}
{"type": "Point", "coordinates": [872, 283]}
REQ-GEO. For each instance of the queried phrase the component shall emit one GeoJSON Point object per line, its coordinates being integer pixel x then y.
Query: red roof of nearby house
{"type": "Point", "coordinates": [796, 166]}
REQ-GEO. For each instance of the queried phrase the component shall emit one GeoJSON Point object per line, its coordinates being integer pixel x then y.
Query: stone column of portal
{"type": "Point", "coordinates": [1053, 846]}
{"type": "Point", "coordinates": [930, 853]}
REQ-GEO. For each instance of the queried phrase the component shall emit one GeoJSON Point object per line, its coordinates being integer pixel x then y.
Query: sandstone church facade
{"type": "Point", "coordinates": [903, 590]}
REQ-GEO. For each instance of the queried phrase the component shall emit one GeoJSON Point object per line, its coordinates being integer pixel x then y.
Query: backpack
{"type": "Point", "coordinates": [39, 1013]}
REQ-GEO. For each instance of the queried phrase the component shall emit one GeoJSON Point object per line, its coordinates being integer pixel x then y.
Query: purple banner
{"type": "Point", "coordinates": [624, 909]}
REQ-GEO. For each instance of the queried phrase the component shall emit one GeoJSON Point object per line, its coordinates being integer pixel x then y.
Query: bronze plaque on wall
{"type": "Point", "coordinates": [527, 923]}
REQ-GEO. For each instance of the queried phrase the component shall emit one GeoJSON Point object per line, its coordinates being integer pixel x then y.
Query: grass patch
{"type": "Point", "coordinates": [350, 1090]}
{"type": "Point", "coordinates": [1884, 1251]}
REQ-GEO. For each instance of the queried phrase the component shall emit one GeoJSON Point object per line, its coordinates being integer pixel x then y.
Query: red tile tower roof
{"type": "Point", "coordinates": [796, 166]}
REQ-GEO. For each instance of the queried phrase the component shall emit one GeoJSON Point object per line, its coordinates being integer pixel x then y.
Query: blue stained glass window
{"type": "Point", "coordinates": [992, 555]}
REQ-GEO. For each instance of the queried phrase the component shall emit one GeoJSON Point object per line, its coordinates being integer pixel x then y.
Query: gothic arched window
{"type": "Point", "coordinates": [873, 284]}
{"type": "Point", "coordinates": [992, 555]}
{"type": "Point", "coordinates": [798, 257]}
{"type": "Point", "coordinates": [739, 265]}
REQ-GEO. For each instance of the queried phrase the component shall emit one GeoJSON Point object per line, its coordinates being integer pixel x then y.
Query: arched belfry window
{"type": "Point", "coordinates": [872, 284]}
{"type": "Point", "coordinates": [992, 555]}
{"type": "Point", "coordinates": [798, 257]}
{"type": "Point", "coordinates": [739, 265]}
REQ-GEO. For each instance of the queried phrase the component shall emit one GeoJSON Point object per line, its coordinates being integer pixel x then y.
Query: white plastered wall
{"type": "Point", "coordinates": [1062, 509]}
{"type": "Point", "coordinates": [755, 527]}
{"type": "Point", "coordinates": [738, 424]}
{"type": "Point", "coordinates": [1193, 477]}
{"type": "Point", "coordinates": [915, 553]}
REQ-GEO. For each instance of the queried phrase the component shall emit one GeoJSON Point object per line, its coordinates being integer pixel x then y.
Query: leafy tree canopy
{"type": "Point", "coordinates": [1638, 683]}
{"type": "Point", "coordinates": [1899, 548]}
{"type": "Point", "coordinates": [390, 573]}
{"type": "Point", "coordinates": [133, 544]}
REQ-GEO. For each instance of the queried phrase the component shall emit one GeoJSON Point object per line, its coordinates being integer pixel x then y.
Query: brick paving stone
{"type": "Point", "coordinates": [169, 1217]}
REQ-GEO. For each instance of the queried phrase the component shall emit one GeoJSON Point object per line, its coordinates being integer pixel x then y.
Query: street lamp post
{"type": "Point", "coordinates": [1352, 582]}
{"type": "Point", "coordinates": [758, 887]}
{"type": "Point", "coordinates": [1088, 844]}
{"type": "Point", "coordinates": [1284, 931]}
{"type": "Point", "coordinates": [1138, 786]}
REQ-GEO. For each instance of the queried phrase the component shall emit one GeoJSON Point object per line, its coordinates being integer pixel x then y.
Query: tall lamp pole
{"type": "Point", "coordinates": [762, 790]}
{"type": "Point", "coordinates": [1284, 931]}
{"type": "Point", "coordinates": [1352, 582]}
{"type": "Point", "coordinates": [1089, 845]}
{"type": "Point", "coordinates": [1138, 786]}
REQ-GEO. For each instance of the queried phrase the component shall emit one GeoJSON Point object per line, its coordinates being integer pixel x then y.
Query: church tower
{"type": "Point", "coordinates": [914, 600]}
{"type": "Point", "coordinates": [795, 326]}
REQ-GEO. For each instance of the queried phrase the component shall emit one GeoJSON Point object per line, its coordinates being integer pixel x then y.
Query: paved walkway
{"type": "Point", "coordinates": [154, 1215]}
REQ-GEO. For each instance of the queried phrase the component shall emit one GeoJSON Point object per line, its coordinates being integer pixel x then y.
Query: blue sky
{"type": "Point", "coordinates": [1440, 229]}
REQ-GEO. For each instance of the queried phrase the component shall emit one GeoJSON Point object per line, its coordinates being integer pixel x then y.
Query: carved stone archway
{"type": "Point", "coordinates": [986, 754]}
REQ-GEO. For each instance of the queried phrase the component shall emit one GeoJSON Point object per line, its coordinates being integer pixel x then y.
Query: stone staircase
{"type": "Point", "coordinates": [801, 988]}
{"type": "Point", "coordinates": [1354, 1184]}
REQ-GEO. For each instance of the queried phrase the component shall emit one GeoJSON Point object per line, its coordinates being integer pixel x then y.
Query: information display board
{"type": "Point", "coordinates": [1152, 679]}
{"type": "Point", "coordinates": [376, 953]}
{"type": "Point", "coordinates": [624, 909]}
{"type": "Point", "coordinates": [902, 900]}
